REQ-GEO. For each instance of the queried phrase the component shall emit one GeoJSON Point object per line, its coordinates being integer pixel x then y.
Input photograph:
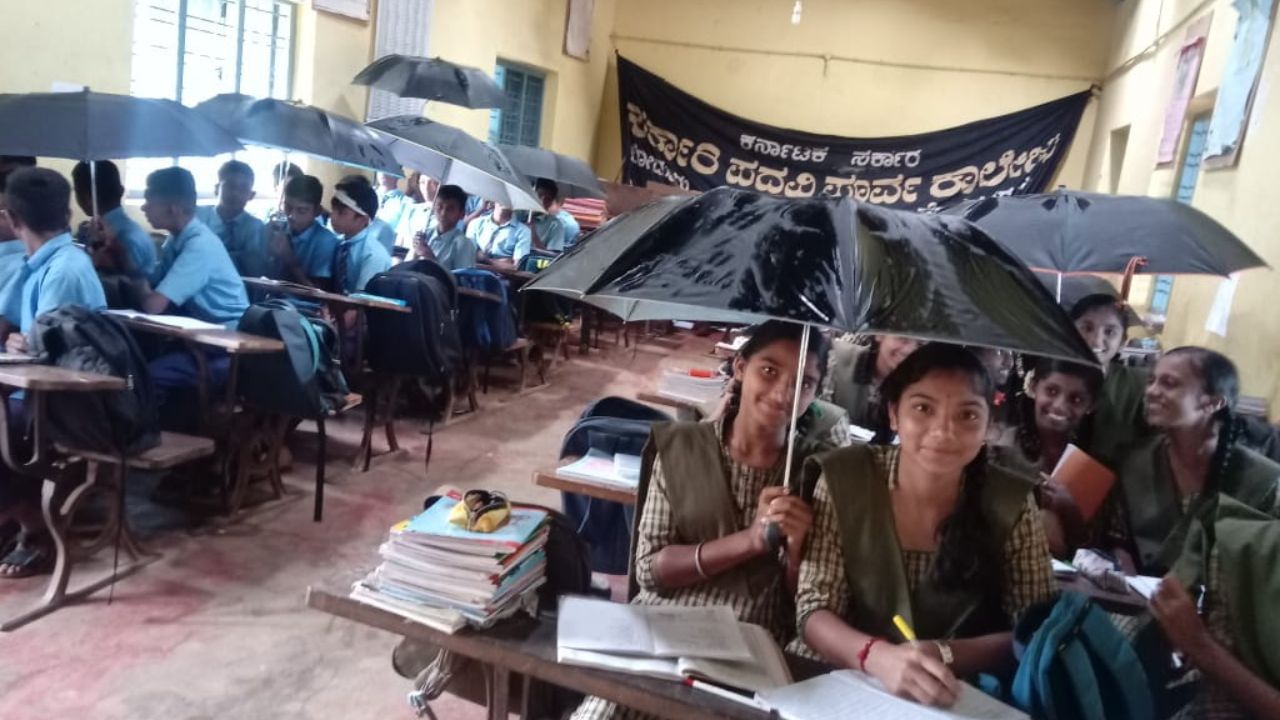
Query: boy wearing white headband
{"type": "Point", "coordinates": [359, 256]}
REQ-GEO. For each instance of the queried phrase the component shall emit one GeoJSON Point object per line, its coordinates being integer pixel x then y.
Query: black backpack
{"type": "Point", "coordinates": [423, 343]}
{"type": "Point", "coordinates": [304, 381]}
{"type": "Point", "coordinates": [486, 326]}
{"type": "Point", "coordinates": [114, 421]}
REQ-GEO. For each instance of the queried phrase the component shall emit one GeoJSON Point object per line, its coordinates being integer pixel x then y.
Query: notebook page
{"type": "Point", "coordinates": [700, 632]}
{"type": "Point", "coordinates": [766, 670]}
{"type": "Point", "coordinates": [835, 695]}
{"type": "Point", "coordinates": [586, 624]}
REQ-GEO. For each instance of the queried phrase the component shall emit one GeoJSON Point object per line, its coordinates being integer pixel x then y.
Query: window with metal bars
{"type": "Point", "coordinates": [191, 50]}
{"type": "Point", "coordinates": [519, 121]}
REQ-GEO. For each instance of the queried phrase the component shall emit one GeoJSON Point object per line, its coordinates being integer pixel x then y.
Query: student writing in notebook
{"type": "Point", "coordinates": [1054, 412]}
{"type": "Point", "coordinates": [713, 487]}
{"type": "Point", "coordinates": [1166, 482]}
{"type": "Point", "coordinates": [927, 530]}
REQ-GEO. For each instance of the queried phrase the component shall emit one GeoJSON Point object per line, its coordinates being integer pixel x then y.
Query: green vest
{"type": "Point", "coordinates": [851, 383]}
{"type": "Point", "coordinates": [697, 482]}
{"type": "Point", "coordinates": [877, 580]}
{"type": "Point", "coordinates": [1153, 511]}
{"type": "Point", "coordinates": [1119, 420]}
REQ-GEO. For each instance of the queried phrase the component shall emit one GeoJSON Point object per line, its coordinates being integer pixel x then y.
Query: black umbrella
{"type": "Point", "coordinates": [433, 79]}
{"type": "Point", "coordinates": [737, 256]}
{"type": "Point", "coordinates": [1069, 231]}
{"type": "Point", "coordinates": [294, 127]}
{"type": "Point", "coordinates": [1076, 287]}
{"type": "Point", "coordinates": [575, 177]}
{"type": "Point", "coordinates": [453, 157]}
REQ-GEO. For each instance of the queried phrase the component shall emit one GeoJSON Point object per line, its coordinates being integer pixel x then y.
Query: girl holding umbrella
{"type": "Point", "coordinates": [682, 555]}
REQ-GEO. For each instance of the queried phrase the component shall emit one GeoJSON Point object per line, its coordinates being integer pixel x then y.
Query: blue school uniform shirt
{"type": "Point", "coordinates": [198, 277]}
{"type": "Point", "coordinates": [551, 232]}
{"type": "Point", "coordinates": [384, 234]}
{"type": "Point", "coordinates": [365, 258]}
{"type": "Point", "coordinates": [12, 253]}
{"type": "Point", "coordinates": [56, 274]}
{"type": "Point", "coordinates": [392, 205]}
{"type": "Point", "coordinates": [511, 240]}
{"type": "Point", "coordinates": [453, 249]}
{"type": "Point", "coordinates": [314, 248]}
{"type": "Point", "coordinates": [135, 241]}
{"type": "Point", "coordinates": [244, 236]}
{"type": "Point", "coordinates": [571, 228]}
{"type": "Point", "coordinates": [419, 217]}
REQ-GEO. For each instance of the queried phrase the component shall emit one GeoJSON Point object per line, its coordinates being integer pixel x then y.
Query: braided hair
{"type": "Point", "coordinates": [1024, 409]}
{"type": "Point", "coordinates": [968, 554]}
{"type": "Point", "coordinates": [1218, 376]}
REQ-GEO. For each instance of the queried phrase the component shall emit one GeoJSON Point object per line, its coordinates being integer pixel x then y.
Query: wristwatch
{"type": "Point", "coordinates": [944, 651]}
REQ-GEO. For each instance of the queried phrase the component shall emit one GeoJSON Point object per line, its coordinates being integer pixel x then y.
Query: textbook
{"type": "Point", "coordinates": [655, 631]}
{"type": "Point", "coordinates": [1085, 478]}
{"type": "Point", "coordinates": [599, 466]}
{"type": "Point", "coordinates": [178, 321]}
{"type": "Point", "coordinates": [766, 670]}
{"type": "Point", "coordinates": [848, 693]}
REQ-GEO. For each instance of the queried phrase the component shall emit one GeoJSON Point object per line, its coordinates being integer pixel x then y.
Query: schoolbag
{"type": "Point", "coordinates": [425, 342]}
{"type": "Point", "coordinates": [485, 326]}
{"type": "Point", "coordinates": [114, 421]}
{"type": "Point", "coordinates": [610, 425]}
{"type": "Point", "coordinates": [1077, 665]}
{"type": "Point", "coordinates": [304, 381]}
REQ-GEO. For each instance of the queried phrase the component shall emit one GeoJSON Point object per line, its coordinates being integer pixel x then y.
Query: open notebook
{"type": "Point", "coordinates": [767, 669]}
{"type": "Point", "coordinates": [846, 693]}
{"type": "Point", "coordinates": [654, 631]}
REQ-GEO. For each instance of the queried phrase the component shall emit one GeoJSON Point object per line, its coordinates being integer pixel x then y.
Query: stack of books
{"type": "Point", "coordinates": [692, 386]}
{"type": "Point", "coordinates": [446, 577]}
{"type": "Point", "coordinates": [588, 212]}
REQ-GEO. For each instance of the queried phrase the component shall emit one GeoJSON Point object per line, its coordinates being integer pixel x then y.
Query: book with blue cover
{"type": "Point", "coordinates": [432, 527]}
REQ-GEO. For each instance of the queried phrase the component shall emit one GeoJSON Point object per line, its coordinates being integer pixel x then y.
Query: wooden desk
{"type": "Point", "coordinates": [474, 294]}
{"type": "Point", "coordinates": [527, 647]}
{"type": "Point", "coordinates": [686, 411]}
{"type": "Point", "coordinates": [602, 491]}
{"type": "Point", "coordinates": [230, 340]}
{"type": "Point", "coordinates": [508, 272]}
{"type": "Point", "coordinates": [48, 378]}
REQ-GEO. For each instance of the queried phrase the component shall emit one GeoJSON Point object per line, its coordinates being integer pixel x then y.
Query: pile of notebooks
{"type": "Point", "coordinates": [446, 577]}
{"type": "Point", "coordinates": [692, 386]}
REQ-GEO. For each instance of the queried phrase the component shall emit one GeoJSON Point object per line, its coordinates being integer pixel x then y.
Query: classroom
{"type": "Point", "coordinates": [622, 359]}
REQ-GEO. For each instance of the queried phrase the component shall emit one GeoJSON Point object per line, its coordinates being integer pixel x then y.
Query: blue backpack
{"type": "Point", "coordinates": [1078, 666]}
{"type": "Point", "coordinates": [485, 326]}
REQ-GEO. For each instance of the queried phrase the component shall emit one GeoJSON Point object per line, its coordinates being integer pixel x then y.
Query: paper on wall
{"type": "Point", "coordinates": [1220, 311]}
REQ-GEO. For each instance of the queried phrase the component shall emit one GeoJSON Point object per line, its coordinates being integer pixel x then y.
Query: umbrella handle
{"type": "Point", "coordinates": [1135, 264]}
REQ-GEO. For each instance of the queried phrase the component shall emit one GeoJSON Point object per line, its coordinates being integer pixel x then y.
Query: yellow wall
{"type": "Point", "coordinates": [527, 32]}
{"type": "Point", "coordinates": [973, 59]}
{"type": "Point", "coordinates": [1242, 198]}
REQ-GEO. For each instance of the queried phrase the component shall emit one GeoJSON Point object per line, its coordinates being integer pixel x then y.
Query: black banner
{"type": "Point", "coordinates": [671, 137]}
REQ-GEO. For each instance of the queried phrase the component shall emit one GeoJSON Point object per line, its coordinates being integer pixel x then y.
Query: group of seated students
{"type": "Point", "coordinates": [945, 518]}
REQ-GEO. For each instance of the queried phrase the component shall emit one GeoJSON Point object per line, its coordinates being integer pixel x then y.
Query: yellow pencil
{"type": "Point", "coordinates": [906, 630]}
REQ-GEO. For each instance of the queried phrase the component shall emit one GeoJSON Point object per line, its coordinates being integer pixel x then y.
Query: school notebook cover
{"type": "Point", "coordinates": [434, 523]}
{"type": "Point", "coordinates": [1088, 480]}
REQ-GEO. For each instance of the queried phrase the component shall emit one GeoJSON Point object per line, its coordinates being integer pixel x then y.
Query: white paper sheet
{"type": "Point", "coordinates": [847, 693]}
{"type": "Point", "coordinates": [1220, 311]}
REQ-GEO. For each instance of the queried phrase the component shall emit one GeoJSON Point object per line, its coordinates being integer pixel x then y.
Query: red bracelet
{"type": "Point", "coordinates": [866, 650]}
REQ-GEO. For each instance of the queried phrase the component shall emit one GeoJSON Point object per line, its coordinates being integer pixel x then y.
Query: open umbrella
{"type": "Point", "coordinates": [574, 176]}
{"type": "Point", "coordinates": [737, 256]}
{"type": "Point", "coordinates": [294, 127]}
{"type": "Point", "coordinates": [455, 158]}
{"type": "Point", "coordinates": [411, 76]}
{"type": "Point", "coordinates": [94, 126]}
{"type": "Point", "coordinates": [1067, 231]}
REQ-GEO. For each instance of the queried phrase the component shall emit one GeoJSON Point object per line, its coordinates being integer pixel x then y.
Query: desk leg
{"type": "Point", "coordinates": [233, 376]}
{"type": "Point", "coordinates": [499, 692]}
{"type": "Point", "coordinates": [359, 340]}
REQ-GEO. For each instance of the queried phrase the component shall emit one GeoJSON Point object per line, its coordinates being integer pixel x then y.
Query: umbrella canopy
{"type": "Point", "coordinates": [575, 177]}
{"type": "Point", "coordinates": [294, 127]}
{"type": "Point", "coordinates": [1076, 287]}
{"type": "Point", "coordinates": [102, 126]}
{"type": "Point", "coordinates": [1070, 231]}
{"type": "Point", "coordinates": [730, 255]}
{"type": "Point", "coordinates": [455, 158]}
{"type": "Point", "coordinates": [411, 76]}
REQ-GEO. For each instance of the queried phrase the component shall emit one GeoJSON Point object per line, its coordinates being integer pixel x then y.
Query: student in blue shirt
{"type": "Point", "coordinates": [545, 229]}
{"type": "Point", "coordinates": [502, 240]}
{"type": "Point", "coordinates": [446, 243]}
{"type": "Point", "coordinates": [243, 235]}
{"type": "Point", "coordinates": [572, 230]}
{"type": "Point", "coordinates": [37, 207]}
{"type": "Point", "coordinates": [382, 233]}
{"type": "Point", "coordinates": [392, 202]}
{"type": "Point", "coordinates": [12, 252]}
{"type": "Point", "coordinates": [280, 174]}
{"type": "Point", "coordinates": [359, 256]}
{"type": "Point", "coordinates": [134, 252]}
{"type": "Point", "coordinates": [302, 251]}
{"type": "Point", "coordinates": [418, 218]}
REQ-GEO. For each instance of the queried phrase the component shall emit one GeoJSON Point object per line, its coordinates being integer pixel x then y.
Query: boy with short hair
{"type": "Point", "coordinates": [545, 229]}
{"type": "Point", "coordinates": [302, 250]}
{"type": "Point", "coordinates": [445, 242]}
{"type": "Point", "coordinates": [133, 253]}
{"type": "Point", "coordinates": [241, 233]}
{"type": "Point", "coordinates": [359, 255]}
{"type": "Point", "coordinates": [392, 202]}
{"type": "Point", "coordinates": [502, 240]}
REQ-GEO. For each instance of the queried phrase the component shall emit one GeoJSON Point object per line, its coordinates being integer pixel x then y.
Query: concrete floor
{"type": "Point", "coordinates": [217, 628]}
